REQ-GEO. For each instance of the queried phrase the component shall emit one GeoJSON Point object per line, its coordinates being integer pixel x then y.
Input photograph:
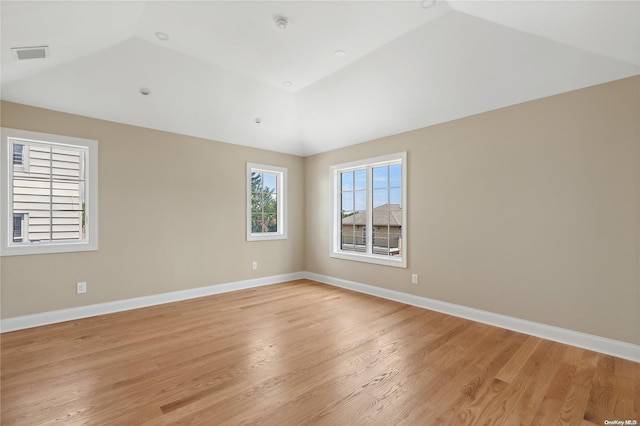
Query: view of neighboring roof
{"type": "Point", "coordinates": [386, 214]}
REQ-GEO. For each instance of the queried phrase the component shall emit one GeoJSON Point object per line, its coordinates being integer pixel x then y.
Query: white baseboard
{"type": "Point", "coordinates": [574, 338]}
{"type": "Point", "coordinates": [587, 341]}
{"type": "Point", "coordinates": [52, 317]}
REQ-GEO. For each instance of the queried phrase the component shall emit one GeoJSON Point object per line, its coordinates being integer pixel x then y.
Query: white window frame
{"type": "Point", "coordinates": [368, 164]}
{"type": "Point", "coordinates": [90, 243]}
{"type": "Point", "coordinates": [281, 177]}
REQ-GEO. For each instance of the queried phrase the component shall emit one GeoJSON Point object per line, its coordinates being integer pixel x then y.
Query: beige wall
{"type": "Point", "coordinates": [529, 211]}
{"type": "Point", "coordinates": [171, 218]}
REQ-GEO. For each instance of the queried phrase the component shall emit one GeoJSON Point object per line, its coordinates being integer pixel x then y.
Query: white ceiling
{"type": "Point", "coordinates": [406, 66]}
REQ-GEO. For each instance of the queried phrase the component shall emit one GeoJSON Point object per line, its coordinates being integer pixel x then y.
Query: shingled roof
{"type": "Point", "coordinates": [386, 214]}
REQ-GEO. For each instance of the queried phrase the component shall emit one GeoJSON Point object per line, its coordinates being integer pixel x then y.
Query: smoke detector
{"type": "Point", "coordinates": [282, 23]}
{"type": "Point", "coordinates": [31, 52]}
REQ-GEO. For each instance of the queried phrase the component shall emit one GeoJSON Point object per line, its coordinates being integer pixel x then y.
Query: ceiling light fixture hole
{"type": "Point", "coordinates": [144, 91]}
{"type": "Point", "coordinates": [426, 4]}
{"type": "Point", "coordinates": [257, 120]}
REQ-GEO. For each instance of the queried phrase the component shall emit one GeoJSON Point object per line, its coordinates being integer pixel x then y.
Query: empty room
{"type": "Point", "coordinates": [419, 212]}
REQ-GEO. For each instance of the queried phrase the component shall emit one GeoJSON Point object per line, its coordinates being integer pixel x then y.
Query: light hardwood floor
{"type": "Point", "coordinates": [303, 353]}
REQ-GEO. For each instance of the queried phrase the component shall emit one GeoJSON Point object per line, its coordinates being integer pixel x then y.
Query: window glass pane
{"type": "Point", "coordinates": [381, 242]}
{"type": "Point", "coordinates": [257, 199]}
{"type": "Point", "coordinates": [351, 239]}
{"type": "Point", "coordinates": [395, 244]}
{"type": "Point", "coordinates": [258, 223]}
{"type": "Point", "coordinates": [395, 175]}
{"type": "Point", "coordinates": [270, 222]}
{"type": "Point", "coordinates": [381, 216]}
{"type": "Point", "coordinates": [18, 221]}
{"type": "Point", "coordinates": [361, 179]}
{"type": "Point", "coordinates": [256, 182]}
{"type": "Point", "coordinates": [395, 215]}
{"type": "Point", "coordinates": [18, 158]}
{"type": "Point", "coordinates": [347, 238]}
{"type": "Point", "coordinates": [347, 181]}
{"type": "Point", "coordinates": [380, 197]}
{"type": "Point", "coordinates": [347, 202]}
{"type": "Point", "coordinates": [266, 199]}
{"type": "Point", "coordinates": [395, 196]}
{"type": "Point", "coordinates": [360, 200]}
{"type": "Point", "coordinates": [271, 204]}
{"type": "Point", "coordinates": [381, 177]}
{"type": "Point", "coordinates": [270, 181]}
{"type": "Point", "coordinates": [256, 203]}
{"type": "Point", "coordinates": [360, 218]}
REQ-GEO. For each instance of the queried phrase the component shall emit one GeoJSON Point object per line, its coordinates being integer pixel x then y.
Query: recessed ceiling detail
{"type": "Point", "coordinates": [407, 66]}
{"type": "Point", "coordinates": [428, 3]}
{"type": "Point", "coordinates": [162, 36]}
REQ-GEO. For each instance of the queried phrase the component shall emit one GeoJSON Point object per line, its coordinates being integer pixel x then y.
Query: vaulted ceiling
{"type": "Point", "coordinates": [406, 64]}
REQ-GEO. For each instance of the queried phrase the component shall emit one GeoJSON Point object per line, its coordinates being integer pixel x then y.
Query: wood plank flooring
{"type": "Point", "coordinates": [302, 353]}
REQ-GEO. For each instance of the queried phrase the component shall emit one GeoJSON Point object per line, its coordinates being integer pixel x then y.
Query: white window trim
{"type": "Point", "coordinates": [368, 163]}
{"type": "Point", "coordinates": [7, 247]}
{"type": "Point", "coordinates": [281, 173]}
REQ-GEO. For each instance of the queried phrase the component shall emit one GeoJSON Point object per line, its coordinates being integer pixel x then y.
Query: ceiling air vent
{"type": "Point", "coordinates": [33, 52]}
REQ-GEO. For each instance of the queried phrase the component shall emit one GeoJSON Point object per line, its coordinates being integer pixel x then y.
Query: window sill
{"type": "Point", "coordinates": [266, 237]}
{"type": "Point", "coordinates": [48, 249]}
{"type": "Point", "coordinates": [369, 258]}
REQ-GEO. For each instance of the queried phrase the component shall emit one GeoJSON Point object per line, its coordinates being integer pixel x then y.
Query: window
{"type": "Point", "coordinates": [266, 202]}
{"type": "Point", "coordinates": [369, 210]}
{"type": "Point", "coordinates": [18, 227]}
{"type": "Point", "coordinates": [50, 199]}
{"type": "Point", "coordinates": [18, 154]}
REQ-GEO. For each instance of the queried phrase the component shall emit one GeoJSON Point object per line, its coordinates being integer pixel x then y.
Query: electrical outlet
{"type": "Point", "coordinates": [254, 265]}
{"type": "Point", "coordinates": [414, 279]}
{"type": "Point", "coordinates": [81, 287]}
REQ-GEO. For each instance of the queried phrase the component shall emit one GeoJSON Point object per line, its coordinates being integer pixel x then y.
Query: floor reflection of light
{"type": "Point", "coordinates": [263, 357]}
